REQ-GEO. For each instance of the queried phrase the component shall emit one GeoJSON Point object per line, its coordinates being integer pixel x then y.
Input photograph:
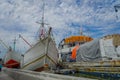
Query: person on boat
{"type": "Point", "coordinates": [74, 53]}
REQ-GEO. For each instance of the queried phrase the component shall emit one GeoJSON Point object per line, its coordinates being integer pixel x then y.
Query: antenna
{"type": "Point", "coordinates": [4, 44]}
{"type": "Point", "coordinates": [81, 30]}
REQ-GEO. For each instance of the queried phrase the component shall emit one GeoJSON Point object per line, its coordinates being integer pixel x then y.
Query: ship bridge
{"type": "Point", "coordinates": [73, 39]}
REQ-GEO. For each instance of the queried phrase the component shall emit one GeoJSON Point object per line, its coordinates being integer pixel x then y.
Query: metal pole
{"type": "Point", "coordinates": [25, 40]}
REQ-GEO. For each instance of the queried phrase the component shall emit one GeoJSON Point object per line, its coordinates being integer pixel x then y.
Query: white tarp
{"type": "Point", "coordinates": [97, 50]}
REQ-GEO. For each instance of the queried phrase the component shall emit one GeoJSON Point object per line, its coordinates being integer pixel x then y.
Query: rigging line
{"type": "Point", "coordinates": [4, 44]}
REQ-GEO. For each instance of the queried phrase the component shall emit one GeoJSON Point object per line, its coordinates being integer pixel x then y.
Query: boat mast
{"type": "Point", "coordinates": [48, 34]}
{"type": "Point", "coordinates": [41, 30]}
{"type": "Point", "coordinates": [42, 24]}
{"type": "Point", "coordinates": [14, 44]}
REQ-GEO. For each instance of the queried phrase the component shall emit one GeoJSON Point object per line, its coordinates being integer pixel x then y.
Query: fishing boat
{"type": "Point", "coordinates": [42, 54]}
{"type": "Point", "coordinates": [12, 58]}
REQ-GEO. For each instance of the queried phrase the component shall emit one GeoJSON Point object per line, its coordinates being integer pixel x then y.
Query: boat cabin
{"type": "Point", "coordinates": [67, 45]}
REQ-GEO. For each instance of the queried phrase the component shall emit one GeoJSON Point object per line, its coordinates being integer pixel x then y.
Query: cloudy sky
{"type": "Point", "coordinates": [96, 17]}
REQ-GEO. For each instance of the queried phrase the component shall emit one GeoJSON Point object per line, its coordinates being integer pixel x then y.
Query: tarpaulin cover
{"type": "Point", "coordinates": [98, 50]}
{"type": "Point", "coordinates": [89, 52]}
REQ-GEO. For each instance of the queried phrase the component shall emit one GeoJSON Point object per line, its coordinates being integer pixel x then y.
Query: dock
{"type": "Point", "coordinates": [4, 76]}
{"type": "Point", "coordinates": [17, 74]}
{"type": "Point", "coordinates": [102, 69]}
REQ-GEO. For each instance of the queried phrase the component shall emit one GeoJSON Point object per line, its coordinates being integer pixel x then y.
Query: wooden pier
{"type": "Point", "coordinates": [105, 69]}
{"type": "Point", "coordinates": [4, 76]}
{"type": "Point", "coordinates": [17, 74]}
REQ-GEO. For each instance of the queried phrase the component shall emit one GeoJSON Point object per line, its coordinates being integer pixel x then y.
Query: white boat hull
{"type": "Point", "coordinates": [37, 57]}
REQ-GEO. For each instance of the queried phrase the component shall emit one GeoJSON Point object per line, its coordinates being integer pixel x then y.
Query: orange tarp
{"type": "Point", "coordinates": [73, 56]}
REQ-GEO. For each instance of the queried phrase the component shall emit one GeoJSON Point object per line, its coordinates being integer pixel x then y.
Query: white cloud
{"type": "Point", "coordinates": [20, 16]}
